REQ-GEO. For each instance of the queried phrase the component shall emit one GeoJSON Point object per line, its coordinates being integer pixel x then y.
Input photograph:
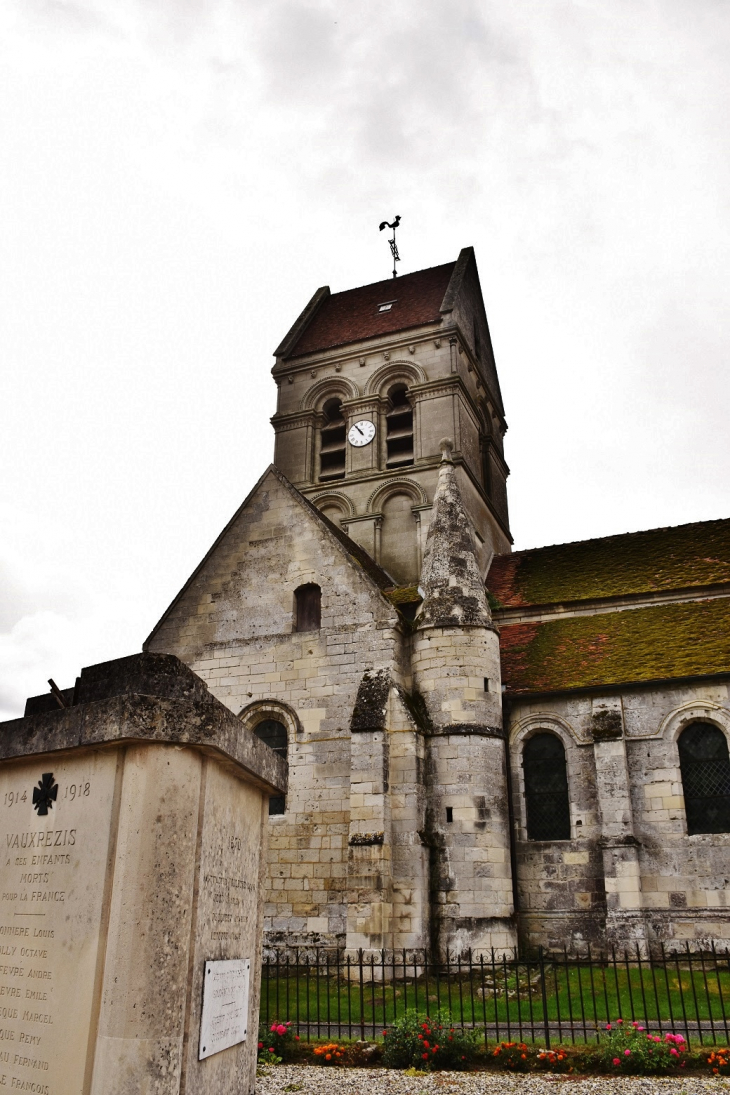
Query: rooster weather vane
{"type": "Point", "coordinates": [393, 244]}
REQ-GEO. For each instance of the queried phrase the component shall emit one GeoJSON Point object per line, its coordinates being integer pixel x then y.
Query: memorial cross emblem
{"type": "Point", "coordinates": [45, 794]}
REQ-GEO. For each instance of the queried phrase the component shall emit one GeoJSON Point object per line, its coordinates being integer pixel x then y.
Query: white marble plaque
{"type": "Point", "coordinates": [225, 1005]}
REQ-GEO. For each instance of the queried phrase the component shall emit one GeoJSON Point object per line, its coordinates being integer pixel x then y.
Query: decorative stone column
{"type": "Point", "coordinates": [625, 925]}
{"type": "Point", "coordinates": [387, 881]}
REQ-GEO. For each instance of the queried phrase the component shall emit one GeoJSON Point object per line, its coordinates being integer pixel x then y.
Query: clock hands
{"type": "Point", "coordinates": [359, 430]}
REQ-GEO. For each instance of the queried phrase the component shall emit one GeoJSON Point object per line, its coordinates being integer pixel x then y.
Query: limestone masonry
{"type": "Point", "coordinates": [484, 747]}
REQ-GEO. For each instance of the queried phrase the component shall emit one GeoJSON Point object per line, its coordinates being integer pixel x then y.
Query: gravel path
{"type": "Point", "coordinates": [313, 1080]}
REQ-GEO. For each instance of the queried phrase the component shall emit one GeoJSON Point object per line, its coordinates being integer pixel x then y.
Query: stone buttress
{"type": "Point", "coordinates": [456, 668]}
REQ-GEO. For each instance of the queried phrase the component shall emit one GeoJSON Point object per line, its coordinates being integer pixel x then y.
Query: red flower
{"type": "Point", "coordinates": [425, 1056]}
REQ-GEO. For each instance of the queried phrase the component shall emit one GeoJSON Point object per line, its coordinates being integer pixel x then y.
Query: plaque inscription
{"type": "Point", "coordinates": [225, 1005]}
{"type": "Point", "coordinates": [54, 827]}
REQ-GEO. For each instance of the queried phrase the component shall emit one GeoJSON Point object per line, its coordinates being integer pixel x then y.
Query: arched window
{"type": "Point", "coordinates": [546, 788]}
{"type": "Point", "coordinates": [332, 450]}
{"type": "Point", "coordinates": [308, 608]}
{"type": "Point", "coordinates": [273, 733]}
{"type": "Point", "coordinates": [703, 759]}
{"type": "Point", "coordinates": [399, 428]}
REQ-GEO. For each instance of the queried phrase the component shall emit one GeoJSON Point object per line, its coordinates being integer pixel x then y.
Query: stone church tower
{"type": "Point", "coordinates": [369, 382]}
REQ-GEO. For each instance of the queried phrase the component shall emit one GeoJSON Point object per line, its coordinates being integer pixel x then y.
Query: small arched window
{"type": "Point", "coordinates": [273, 733]}
{"type": "Point", "coordinates": [332, 449]}
{"type": "Point", "coordinates": [546, 788]}
{"type": "Point", "coordinates": [705, 766]}
{"type": "Point", "coordinates": [399, 428]}
{"type": "Point", "coordinates": [308, 608]}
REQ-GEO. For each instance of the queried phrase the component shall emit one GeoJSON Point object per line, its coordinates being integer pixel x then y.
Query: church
{"type": "Point", "coordinates": [485, 748]}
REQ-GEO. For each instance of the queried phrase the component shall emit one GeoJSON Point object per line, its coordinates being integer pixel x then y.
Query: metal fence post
{"type": "Point", "coordinates": [545, 1019]}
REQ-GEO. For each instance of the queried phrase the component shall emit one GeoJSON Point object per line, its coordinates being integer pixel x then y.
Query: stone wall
{"type": "Point", "coordinates": [630, 874]}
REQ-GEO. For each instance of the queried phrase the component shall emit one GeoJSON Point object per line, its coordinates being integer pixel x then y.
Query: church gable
{"type": "Point", "coordinates": [246, 586]}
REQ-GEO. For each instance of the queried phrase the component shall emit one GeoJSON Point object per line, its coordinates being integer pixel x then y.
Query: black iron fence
{"type": "Point", "coordinates": [543, 998]}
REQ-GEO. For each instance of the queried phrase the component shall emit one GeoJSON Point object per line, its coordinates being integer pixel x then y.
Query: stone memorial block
{"type": "Point", "coordinates": [133, 828]}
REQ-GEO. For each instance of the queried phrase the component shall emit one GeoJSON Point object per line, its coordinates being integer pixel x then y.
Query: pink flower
{"type": "Point", "coordinates": [608, 1026]}
{"type": "Point", "coordinates": [616, 1061]}
{"type": "Point", "coordinates": [640, 1028]}
{"type": "Point", "coordinates": [619, 1020]}
{"type": "Point", "coordinates": [627, 1053]}
{"type": "Point", "coordinates": [673, 1052]}
{"type": "Point", "coordinates": [281, 1029]}
{"type": "Point", "coordinates": [273, 1029]}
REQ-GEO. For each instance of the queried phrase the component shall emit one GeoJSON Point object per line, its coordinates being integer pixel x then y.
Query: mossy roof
{"type": "Point", "coordinates": [643, 644]}
{"type": "Point", "coordinates": [682, 557]}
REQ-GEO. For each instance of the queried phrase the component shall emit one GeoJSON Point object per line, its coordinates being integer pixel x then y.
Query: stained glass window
{"type": "Point", "coordinates": [703, 758]}
{"type": "Point", "coordinates": [546, 788]}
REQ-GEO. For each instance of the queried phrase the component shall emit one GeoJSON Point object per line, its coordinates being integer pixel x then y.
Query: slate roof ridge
{"type": "Point", "coordinates": [613, 536]}
{"type": "Point", "coordinates": [391, 281]}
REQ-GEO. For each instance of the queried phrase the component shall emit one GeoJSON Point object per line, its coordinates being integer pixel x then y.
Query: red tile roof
{"type": "Point", "coordinates": [353, 315]}
{"type": "Point", "coordinates": [682, 557]}
{"type": "Point", "coordinates": [613, 648]}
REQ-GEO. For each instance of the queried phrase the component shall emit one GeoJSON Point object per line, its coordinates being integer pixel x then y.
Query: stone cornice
{"type": "Point", "coordinates": [351, 352]}
{"type": "Point", "coordinates": [294, 420]}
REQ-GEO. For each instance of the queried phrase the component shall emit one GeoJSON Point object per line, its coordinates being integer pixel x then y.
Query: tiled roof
{"type": "Point", "coordinates": [353, 315]}
{"type": "Point", "coordinates": [638, 562]}
{"type": "Point", "coordinates": [644, 644]}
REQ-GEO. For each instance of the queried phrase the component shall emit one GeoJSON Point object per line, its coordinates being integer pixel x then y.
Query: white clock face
{"type": "Point", "coordinates": [361, 433]}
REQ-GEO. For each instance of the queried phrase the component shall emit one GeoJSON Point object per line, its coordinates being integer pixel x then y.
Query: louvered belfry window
{"type": "Point", "coordinates": [703, 759]}
{"type": "Point", "coordinates": [332, 451]}
{"type": "Point", "coordinates": [546, 788]}
{"type": "Point", "coordinates": [273, 733]}
{"type": "Point", "coordinates": [399, 431]}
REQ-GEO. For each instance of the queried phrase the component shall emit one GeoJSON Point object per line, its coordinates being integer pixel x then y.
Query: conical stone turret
{"type": "Point", "coordinates": [451, 585]}
{"type": "Point", "coordinates": [456, 669]}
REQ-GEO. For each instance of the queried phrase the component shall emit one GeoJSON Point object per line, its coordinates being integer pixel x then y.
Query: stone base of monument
{"type": "Point", "coordinates": [133, 837]}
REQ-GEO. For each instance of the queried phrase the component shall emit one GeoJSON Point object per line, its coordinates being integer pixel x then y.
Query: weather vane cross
{"type": "Point", "coordinates": [393, 244]}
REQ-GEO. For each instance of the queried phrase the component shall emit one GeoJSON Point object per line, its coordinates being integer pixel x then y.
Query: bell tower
{"type": "Point", "coordinates": [369, 381]}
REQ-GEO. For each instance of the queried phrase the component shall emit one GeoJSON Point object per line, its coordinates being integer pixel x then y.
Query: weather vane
{"type": "Point", "coordinates": [393, 244]}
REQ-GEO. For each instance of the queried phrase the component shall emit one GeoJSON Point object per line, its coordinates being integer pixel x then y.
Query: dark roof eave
{"type": "Point", "coordinates": [365, 338]}
{"type": "Point", "coordinates": [585, 689]}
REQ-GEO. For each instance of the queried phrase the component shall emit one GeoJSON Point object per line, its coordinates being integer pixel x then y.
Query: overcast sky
{"type": "Point", "coordinates": [178, 176]}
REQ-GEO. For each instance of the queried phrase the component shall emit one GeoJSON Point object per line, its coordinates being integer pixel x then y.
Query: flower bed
{"type": "Point", "coordinates": [434, 1043]}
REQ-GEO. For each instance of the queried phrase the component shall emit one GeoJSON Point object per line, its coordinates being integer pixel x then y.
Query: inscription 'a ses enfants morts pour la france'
{"type": "Point", "coordinates": [53, 851]}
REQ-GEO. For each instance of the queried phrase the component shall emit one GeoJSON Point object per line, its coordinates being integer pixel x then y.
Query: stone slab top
{"type": "Point", "coordinates": [145, 697]}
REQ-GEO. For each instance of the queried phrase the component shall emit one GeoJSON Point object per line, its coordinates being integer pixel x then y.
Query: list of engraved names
{"type": "Point", "coordinates": [53, 835]}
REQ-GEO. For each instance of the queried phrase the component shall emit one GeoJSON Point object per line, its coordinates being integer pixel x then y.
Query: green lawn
{"type": "Point", "coordinates": [576, 998]}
